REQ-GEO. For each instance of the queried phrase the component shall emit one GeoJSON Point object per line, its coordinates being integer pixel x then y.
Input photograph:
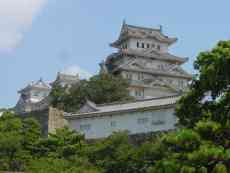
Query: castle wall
{"type": "Point", "coordinates": [135, 122]}
{"type": "Point", "coordinates": [132, 43]}
{"type": "Point", "coordinates": [158, 92]}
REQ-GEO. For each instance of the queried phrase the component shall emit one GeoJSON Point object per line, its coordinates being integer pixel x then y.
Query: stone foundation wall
{"type": "Point", "coordinates": [56, 120]}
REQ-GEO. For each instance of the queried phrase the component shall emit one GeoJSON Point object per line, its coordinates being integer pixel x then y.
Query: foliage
{"type": "Point", "coordinates": [220, 168]}
{"type": "Point", "coordinates": [63, 144]}
{"type": "Point", "coordinates": [22, 148]}
{"type": "Point", "coordinates": [165, 166]}
{"type": "Point", "coordinates": [213, 81]}
{"type": "Point", "coordinates": [55, 165]}
{"type": "Point", "coordinates": [184, 140]}
{"type": "Point", "coordinates": [103, 88]}
{"type": "Point", "coordinates": [16, 139]}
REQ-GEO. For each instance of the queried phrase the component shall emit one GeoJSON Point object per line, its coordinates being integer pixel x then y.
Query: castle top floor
{"type": "Point", "coordinates": [142, 38]}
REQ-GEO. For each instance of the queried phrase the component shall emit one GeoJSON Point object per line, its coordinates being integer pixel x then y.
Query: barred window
{"type": "Point", "coordinates": [142, 120]}
{"type": "Point", "coordinates": [139, 93]}
{"type": "Point", "coordinates": [129, 76]}
{"type": "Point", "coordinates": [158, 122]}
{"type": "Point", "coordinates": [158, 47]}
{"type": "Point", "coordinates": [113, 123]}
{"type": "Point", "coordinates": [140, 76]}
{"type": "Point", "coordinates": [148, 45]}
{"type": "Point", "coordinates": [85, 127]}
{"type": "Point", "coordinates": [143, 45]}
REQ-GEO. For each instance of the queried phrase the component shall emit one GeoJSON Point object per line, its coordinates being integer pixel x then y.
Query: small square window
{"type": "Point", "coordinates": [139, 93]}
{"type": "Point", "coordinates": [113, 123]}
{"type": "Point", "coordinates": [129, 76]}
{"type": "Point", "coordinates": [140, 76]}
{"type": "Point", "coordinates": [158, 47]}
{"type": "Point", "coordinates": [158, 122]}
{"type": "Point", "coordinates": [143, 45]}
{"type": "Point", "coordinates": [85, 127]}
{"type": "Point", "coordinates": [142, 120]}
{"type": "Point", "coordinates": [36, 94]}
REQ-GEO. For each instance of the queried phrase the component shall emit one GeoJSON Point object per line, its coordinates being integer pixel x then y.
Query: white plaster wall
{"type": "Point", "coordinates": [39, 94]}
{"type": "Point", "coordinates": [177, 82]}
{"type": "Point", "coordinates": [158, 92]}
{"type": "Point", "coordinates": [132, 43]}
{"type": "Point", "coordinates": [101, 126]}
{"type": "Point", "coordinates": [155, 64]}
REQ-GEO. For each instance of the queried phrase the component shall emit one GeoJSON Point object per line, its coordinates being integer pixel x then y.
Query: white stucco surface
{"type": "Point", "coordinates": [134, 122]}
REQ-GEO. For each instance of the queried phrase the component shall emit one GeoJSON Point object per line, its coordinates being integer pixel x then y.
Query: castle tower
{"type": "Point", "coordinates": [66, 80]}
{"type": "Point", "coordinates": [143, 58]}
{"type": "Point", "coordinates": [32, 95]}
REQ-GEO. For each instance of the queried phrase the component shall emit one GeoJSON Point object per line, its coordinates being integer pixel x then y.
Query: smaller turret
{"type": "Point", "coordinates": [32, 94]}
{"type": "Point", "coordinates": [64, 79]}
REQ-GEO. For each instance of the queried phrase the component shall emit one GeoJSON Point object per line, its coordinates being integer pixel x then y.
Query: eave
{"type": "Point", "coordinates": [156, 72]}
{"type": "Point", "coordinates": [122, 38]}
{"type": "Point", "coordinates": [157, 56]}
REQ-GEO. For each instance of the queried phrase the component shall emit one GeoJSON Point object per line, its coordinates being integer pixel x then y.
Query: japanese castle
{"type": "Point", "coordinates": [156, 80]}
{"type": "Point", "coordinates": [143, 59]}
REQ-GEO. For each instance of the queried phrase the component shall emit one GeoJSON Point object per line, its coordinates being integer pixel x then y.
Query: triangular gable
{"type": "Point", "coordinates": [178, 70]}
{"type": "Point", "coordinates": [162, 83]}
{"type": "Point", "coordinates": [88, 107]}
{"type": "Point", "coordinates": [158, 82]}
{"type": "Point", "coordinates": [135, 64]}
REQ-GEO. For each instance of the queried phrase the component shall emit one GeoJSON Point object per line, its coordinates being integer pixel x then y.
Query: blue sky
{"type": "Point", "coordinates": [41, 37]}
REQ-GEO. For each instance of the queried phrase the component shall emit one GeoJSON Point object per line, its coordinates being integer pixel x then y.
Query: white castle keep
{"type": "Point", "coordinates": [143, 58]}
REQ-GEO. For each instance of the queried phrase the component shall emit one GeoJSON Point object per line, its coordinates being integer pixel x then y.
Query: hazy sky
{"type": "Point", "coordinates": [38, 38]}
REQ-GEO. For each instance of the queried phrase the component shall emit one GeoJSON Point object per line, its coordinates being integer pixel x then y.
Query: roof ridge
{"type": "Point", "coordinates": [136, 101]}
{"type": "Point", "coordinates": [142, 27]}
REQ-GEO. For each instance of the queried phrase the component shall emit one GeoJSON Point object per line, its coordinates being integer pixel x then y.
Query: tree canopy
{"type": "Point", "coordinates": [102, 88]}
{"type": "Point", "coordinates": [209, 95]}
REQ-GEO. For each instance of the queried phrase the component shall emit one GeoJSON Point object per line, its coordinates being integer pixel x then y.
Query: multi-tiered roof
{"type": "Point", "coordinates": [39, 85]}
{"type": "Point", "coordinates": [144, 52]}
{"type": "Point", "coordinates": [130, 31]}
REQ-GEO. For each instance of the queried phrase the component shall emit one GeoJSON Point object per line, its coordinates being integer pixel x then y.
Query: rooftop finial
{"type": "Point", "coordinates": [124, 22]}
{"type": "Point", "coordinates": [161, 28]}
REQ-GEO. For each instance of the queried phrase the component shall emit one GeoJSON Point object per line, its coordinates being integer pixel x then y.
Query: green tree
{"type": "Point", "coordinates": [103, 88]}
{"type": "Point", "coordinates": [106, 88]}
{"type": "Point", "coordinates": [113, 154]}
{"type": "Point", "coordinates": [64, 143]}
{"type": "Point", "coordinates": [16, 139]}
{"type": "Point", "coordinates": [55, 165]}
{"type": "Point", "coordinates": [213, 80]}
{"type": "Point", "coordinates": [220, 168]}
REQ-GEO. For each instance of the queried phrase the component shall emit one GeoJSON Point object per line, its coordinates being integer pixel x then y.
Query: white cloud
{"type": "Point", "coordinates": [75, 69]}
{"type": "Point", "coordinates": [16, 17]}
